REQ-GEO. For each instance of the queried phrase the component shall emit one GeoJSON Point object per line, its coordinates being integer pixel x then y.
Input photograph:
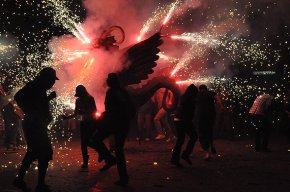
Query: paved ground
{"type": "Point", "coordinates": [236, 168]}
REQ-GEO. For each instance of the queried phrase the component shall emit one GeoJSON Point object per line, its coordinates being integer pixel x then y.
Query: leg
{"type": "Point", "coordinates": [211, 122]}
{"type": "Point", "coordinates": [204, 137]}
{"type": "Point", "coordinates": [14, 130]}
{"type": "Point", "coordinates": [257, 126]}
{"type": "Point", "coordinates": [42, 168]}
{"type": "Point", "coordinates": [120, 156]}
{"type": "Point", "coordinates": [167, 126]}
{"type": "Point", "coordinates": [180, 129]}
{"type": "Point", "coordinates": [98, 144]}
{"type": "Point", "coordinates": [191, 132]}
{"type": "Point", "coordinates": [160, 114]}
{"type": "Point", "coordinates": [148, 125]}
{"type": "Point", "coordinates": [141, 122]}
{"type": "Point", "coordinates": [84, 143]}
{"type": "Point", "coordinates": [265, 133]}
{"type": "Point", "coordinates": [18, 181]}
{"type": "Point", "coordinates": [26, 162]}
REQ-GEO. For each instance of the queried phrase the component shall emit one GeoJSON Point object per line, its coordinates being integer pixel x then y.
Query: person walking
{"type": "Point", "coordinates": [115, 121]}
{"type": "Point", "coordinates": [205, 118]}
{"type": "Point", "coordinates": [183, 122]}
{"type": "Point", "coordinates": [34, 102]}
{"type": "Point", "coordinates": [85, 106]}
{"type": "Point", "coordinates": [261, 117]}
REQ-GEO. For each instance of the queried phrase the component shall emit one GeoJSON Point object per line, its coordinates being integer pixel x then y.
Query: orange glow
{"type": "Point", "coordinates": [98, 114]}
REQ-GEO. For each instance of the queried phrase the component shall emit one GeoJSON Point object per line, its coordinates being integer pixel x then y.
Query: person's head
{"type": "Point", "coordinates": [47, 77]}
{"type": "Point", "coordinates": [202, 87]}
{"type": "Point", "coordinates": [81, 91]}
{"type": "Point", "coordinates": [113, 80]}
{"type": "Point", "coordinates": [191, 90]}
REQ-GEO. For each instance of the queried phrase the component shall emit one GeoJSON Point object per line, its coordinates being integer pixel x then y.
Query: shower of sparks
{"type": "Point", "coordinates": [169, 15]}
{"type": "Point", "coordinates": [168, 58]}
{"type": "Point", "coordinates": [197, 39]}
{"type": "Point", "coordinates": [156, 17]}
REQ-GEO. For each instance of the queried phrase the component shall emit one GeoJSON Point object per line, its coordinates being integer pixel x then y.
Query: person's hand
{"type": "Point", "coordinates": [52, 95]}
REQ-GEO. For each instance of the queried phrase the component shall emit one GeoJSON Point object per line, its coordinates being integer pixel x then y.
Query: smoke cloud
{"type": "Point", "coordinates": [237, 18]}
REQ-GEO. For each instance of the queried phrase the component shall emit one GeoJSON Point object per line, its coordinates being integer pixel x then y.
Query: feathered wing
{"type": "Point", "coordinates": [139, 60]}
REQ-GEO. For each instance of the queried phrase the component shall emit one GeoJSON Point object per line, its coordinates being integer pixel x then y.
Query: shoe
{"type": "Point", "coordinates": [186, 158]}
{"type": "Point", "coordinates": [122, 182]}
{"type": "Point", "coordinates": [176, 163]}
{"type": "Point", "coordinates": [42, 188]}
{"type": "Point", "coordinates": [108, 166]}
{"type": "Point", "coordinates": [20, 184]}
{"type": "Point", "coordinates": [160, 136]}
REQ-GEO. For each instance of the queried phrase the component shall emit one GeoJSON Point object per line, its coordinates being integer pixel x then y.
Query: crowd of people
{"type": "Point", "coordinates": [194, 117]}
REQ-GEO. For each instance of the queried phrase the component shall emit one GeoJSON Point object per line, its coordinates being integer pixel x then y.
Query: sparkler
{"type": "Point", "coordinates": [169, 15]}
{"type": "Point", "coordinates": [197, 38]}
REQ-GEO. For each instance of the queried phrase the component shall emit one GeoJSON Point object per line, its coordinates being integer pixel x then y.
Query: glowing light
{"type": "Point", "coordinates": [5, 48]}
{"type": "Point", "coordinates": [168, 58]}
{"type": "Point", "coordinates": [197, 38]}
{"type": "Point", "coordinates": [98, 114]}
{"type": "Point", "coordinates": [80, 34]}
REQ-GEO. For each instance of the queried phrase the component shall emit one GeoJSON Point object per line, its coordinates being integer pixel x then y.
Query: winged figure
{"type": "Point", "coordinates": [132, 64]}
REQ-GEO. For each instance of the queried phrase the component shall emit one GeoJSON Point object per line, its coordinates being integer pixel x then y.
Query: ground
{"type": "Point", "coordinates": [236, 168]}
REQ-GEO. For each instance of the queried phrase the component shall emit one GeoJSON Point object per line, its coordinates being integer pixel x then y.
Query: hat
{"type": "Point", "coordinates": [48, 72]}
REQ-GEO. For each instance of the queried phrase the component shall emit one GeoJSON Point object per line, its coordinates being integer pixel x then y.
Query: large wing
{"type": "Point", "coordinates": [139, 60]}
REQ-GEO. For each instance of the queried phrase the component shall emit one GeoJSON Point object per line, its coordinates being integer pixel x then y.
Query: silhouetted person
{"type": "Point", "coordinates": [34, 102]}
{"type": "Point", "coordinates": [261, 116]}
{"type": "Point", "coordinates": [119, 111]}
{"type": "Point", "coordinates": [205, 118]}
{"type": "Point", "coordinates": [85, 106]}
{"type": "Point", "coordinates": [183, 122]}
